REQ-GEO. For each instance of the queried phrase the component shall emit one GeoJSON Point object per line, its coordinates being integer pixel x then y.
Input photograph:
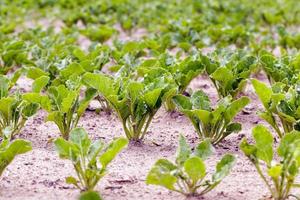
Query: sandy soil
{"type": "Point", "coordinates": [40, 173]}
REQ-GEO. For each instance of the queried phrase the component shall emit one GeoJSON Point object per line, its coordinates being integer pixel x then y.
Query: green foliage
{"type": "Point", "coordinates": [90, 195]}
{"type": "Point", "coordinates": [279, 174]}
{"type": "Point", "coordinates": [67, 107]}
{"type": "Point", "coordinates": [188, 174]}
{"type": "Point", "coordinates": [135, 102]}
{"type": "Point", "coordinates": [90, 159]}
{"type": "Point", "coordinates": [213, 123]}
{"type": "Point", "coordinates": [101, 33]}
{"type": "Point", "coordinates": [9, 150]}
{"type": "Point", "coordinates": [12, 53]}
{"type": "Point", "coordinates": [284, 69]}
{"type": "Point", "coordinates": [279, 103]}
{"type": "Point", "coordinates": [229, 73]}
{"type": "Point", "coordinates": [14, 109]}
{"type": "Point", "coordinates": [183, 71]}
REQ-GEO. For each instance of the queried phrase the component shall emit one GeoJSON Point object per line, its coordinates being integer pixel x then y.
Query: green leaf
{"type": "Point", "coordinates": [203, 115]}
{"type": "Point", "coordinates": [8, 151]}
{"type": "Point", "coordinates": [264, 143]}
{"type": "Point", "coordinates": [40, 83]}
{"type": "Point", "coordinates": [90, 195]}
{"type": "Point", "coordinates": [30, 109]}
{"type": "Point", "coordinates": [223, 167]}
{"type": "Point", "coordinates": [204, 149]}
{"type": "Point", "coordinates": [289, 143]}
{"type": "Point", "coordinates": [275, 171]}
{"type": "Point", "coordinates": [6, 106]}
{"type": "Point", "coordinates": [135, 90]}
{"type": "Point", "coordinates": [161, 175]}
{"type": "Point", "coordinates": [71, 180]}
{"type": "Point", "coordinates": [249, 150]}
{"type": "Point", "coordinates": [65, 148]}
{"type": "Point", "coordinates": [200, 101]}
{"type": "Point", "coordinates": [235, 107]}
{"type": "Point", "coordinates": [69, 101]}
{"type": "Point", "coordinates": [195, 168]}
{"type": "Point", "coordinates": [152, 97]}
{"type": "Point", "coordinates": [112, 150]}
{"type": "Point", "coordinates": [182, 102]}
{"type": "Point", "coordinates": [73, 69]}
{"type": "Point", "coordinates": [4, 86]}
{"type": "Point", "coordinates": [264, 93]}
{"type": "Point", "coordinates": [101, 82]}
{"type": "Point", "coordinates": [223, 75]}
{"type": "Point", "coordinates": [233, 127]}
{"type": "Point", "coordinates": [34, 73]}
{"type": "Point", "coordinates": [183, 151]}
{"type": "Point", "coordinates": [80, 137]}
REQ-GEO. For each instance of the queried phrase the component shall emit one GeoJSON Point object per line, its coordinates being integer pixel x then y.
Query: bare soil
{"type": "Point", "coordinates": [40, 173]}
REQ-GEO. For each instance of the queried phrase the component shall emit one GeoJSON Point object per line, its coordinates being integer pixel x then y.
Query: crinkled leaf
{"type": "Point", "coordinates": [204, 149]}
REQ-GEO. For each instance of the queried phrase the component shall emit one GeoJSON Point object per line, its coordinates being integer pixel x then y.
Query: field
{"type": "Point", "coordinates": [131, 99]}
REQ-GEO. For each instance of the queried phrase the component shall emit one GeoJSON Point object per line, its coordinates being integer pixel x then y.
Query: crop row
{"type": "Point", "coordinates": [227, 41]}
{"type": "Point", "coordinates": [136, 93]}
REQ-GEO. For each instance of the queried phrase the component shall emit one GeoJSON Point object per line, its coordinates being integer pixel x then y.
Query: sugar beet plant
{"type": "Point", "coordinates": [135, 102]}
{"type": "Point", "coordinates": [284, 69]}
{"type": "Point", "coordinates": [183, 71]}
{"type": "Point", "coordinates": [280, 174]}
{"type": "Point", "coordinates": [213, 123]}
{"type": "Point", "coordinates": [188, 174]}
{"type": "Point", "coordinates": [67, 107]}
{"type": "Point", "coordinates": [282, 106]}
{"type": "Point", "coordinates": [229, 74]}
{"type": "Point", "coordinates": [14, 109]}
{"type": "Point", "coordinates": [90, 159]}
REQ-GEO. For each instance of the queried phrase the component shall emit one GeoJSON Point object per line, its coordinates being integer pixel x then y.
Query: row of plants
{"type": "Point", "coordinates": [179, 23]}
{"type": "Point", "coordinates": [135, 95]}
{"type": "Point", "coordinates": [135, 78]}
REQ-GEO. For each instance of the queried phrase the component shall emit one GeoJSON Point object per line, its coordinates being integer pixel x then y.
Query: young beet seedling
{"type": "Point", "coordinates": [187, 174]}
{"type": "Point", "coordinates": [14, 110]}
{"type": "Point", "coordinates": [90, 160]}
{"type": "Point", "coordinates": [229, 75]}
{"type": "Point", "coordinates": [9, 150]}
{"type": "Point", "coordinates": [67, 107]}
{"type": "Point", "coordinates": [215, 124]}
{"type": "Point", "coordinates": [281, 69]}
{"type": "Point", "coordinates": [279, 175]}
{"type": "Point", "coordinates": [182, 71]}
{"type": "Point", "coordinates": [281, 104]}
{"type": "Point", "coordinates": [135, 102]}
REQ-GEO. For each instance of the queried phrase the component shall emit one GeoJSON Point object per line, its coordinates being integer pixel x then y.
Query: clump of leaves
{"type": "Point", "coordinates": [229, 75]}
{"type": "Point", "coordinates": [281, 107]}
{"type": "Point", "coordinates": [9, 150]}
{"type": "Point", "coordinates": [67, 107]}
{"type": "Point", "coordinates": [12, 53]}
{"type": "Point", "coordinates": [187, 175]}
{"type": "Point", "coordinates": [14, 109]}
{"type": "Point", "coordinates": [100, 33]}
{"type": "Point", "coordinates": [90, 159]}
{"type": "Point", "coordinates": [183, 71]}
{"type": "Point", "coordinates": [278, 174]}
{"type": "Point", "coordinates": [284, 69]}
{"type": "Point", "coordinates": [135, 102]}
{"type": "Point", "coordinates": [213, 123]}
